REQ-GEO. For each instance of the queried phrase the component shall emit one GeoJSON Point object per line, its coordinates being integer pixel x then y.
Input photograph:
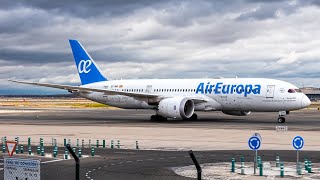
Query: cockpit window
{"type": "Point", "coordinates": [298, 90]}
{"type": "Point", "coordinates": [291, 91]}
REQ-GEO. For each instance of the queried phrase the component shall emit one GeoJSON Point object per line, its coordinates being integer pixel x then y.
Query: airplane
{"type": "Point", "coordinates": [181, 98]}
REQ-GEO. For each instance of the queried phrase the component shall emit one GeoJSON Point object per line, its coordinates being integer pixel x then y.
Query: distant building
{"type": "Point", "coordinates": [312, 93]}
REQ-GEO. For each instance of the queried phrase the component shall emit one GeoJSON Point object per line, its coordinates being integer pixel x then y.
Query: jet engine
{"type": "Point", "coordinates": [176, 107]}
{"type": "Point", "coordinates": [237, 113]}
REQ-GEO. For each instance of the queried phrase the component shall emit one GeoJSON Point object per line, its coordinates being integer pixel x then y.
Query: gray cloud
{"type": "Point", "coordinates": [160, 39]}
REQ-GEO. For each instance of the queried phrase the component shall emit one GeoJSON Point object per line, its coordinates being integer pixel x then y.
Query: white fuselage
{"type": "Point", "coordinates": [227, 94]}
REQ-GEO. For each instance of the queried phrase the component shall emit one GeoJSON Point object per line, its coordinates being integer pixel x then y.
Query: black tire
{"type": "Point", "coordinates": [158, 118]}
{"type": "Point", "coordinates": [153, 118]}
{"type": "Point", "coordinates": [194, 117]}
{"type": "Point", "coordinates": [281, 120]}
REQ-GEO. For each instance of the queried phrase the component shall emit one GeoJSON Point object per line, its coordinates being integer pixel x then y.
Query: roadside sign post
{"type": "Point", "coordinates": [16, 168]}
{"type": "Point", "coordinates": [11, 146]}
{"type": "Point", "coordinates": [297, 143]}
{"type": "Point", "coordinates": [254, 144]}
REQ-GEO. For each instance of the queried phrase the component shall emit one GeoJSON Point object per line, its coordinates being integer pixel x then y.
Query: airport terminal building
{"type": "Point", "coordinates": [312, 93]}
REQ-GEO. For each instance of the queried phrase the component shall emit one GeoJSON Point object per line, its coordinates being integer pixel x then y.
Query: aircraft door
{"type": "Point", "coordinates": [270, 91]}
{"type": "Point", "coordinates": [149, 89]}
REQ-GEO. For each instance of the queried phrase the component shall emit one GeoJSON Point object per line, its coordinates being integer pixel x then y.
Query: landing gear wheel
{"type": "Point", "coordinates": [157, 118]}
{"type": "Point", "coordinates": [153, 118]}
{"type": "Point", "coordinates": [194, 117]}
{"type": "Point", "coordinates": [281, 120]}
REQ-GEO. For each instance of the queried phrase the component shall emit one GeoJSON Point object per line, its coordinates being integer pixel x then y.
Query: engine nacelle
{"type": "Point", "coordinates": [177, 107]}
{"type": "Point", "coordinates": [237, 113]}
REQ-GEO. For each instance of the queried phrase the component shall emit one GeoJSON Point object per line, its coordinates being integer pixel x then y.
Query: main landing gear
{"type": "Point", "coordinates": [282, 115]}
{"type": "Point", "coordinates": [157, 118]}
{"type": "Point", "coordinates": [161, 118]}
{"type": "Point", "coordinates": [193, 117]}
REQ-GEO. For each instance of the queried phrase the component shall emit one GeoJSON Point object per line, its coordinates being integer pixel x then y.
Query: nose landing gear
{"type": "Point", "coordinates": [282, 115]}
{"type": "Point", "coordinates": [281, 120]}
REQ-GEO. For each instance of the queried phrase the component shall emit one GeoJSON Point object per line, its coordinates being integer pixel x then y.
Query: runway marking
{"type": "Point", "coordinates": [56, 160]}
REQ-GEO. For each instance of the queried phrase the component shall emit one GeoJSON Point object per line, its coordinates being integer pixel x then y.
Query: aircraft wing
{"type": "Point", "coordinates": [86, 89]}
{"type": "Point", "coordinates": [105, 91]}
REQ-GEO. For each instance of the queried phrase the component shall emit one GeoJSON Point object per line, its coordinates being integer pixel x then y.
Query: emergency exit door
{"type": "Point", "coordinates": [270, 91]}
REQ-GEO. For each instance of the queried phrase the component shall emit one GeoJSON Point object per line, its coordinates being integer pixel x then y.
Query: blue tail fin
{"type": "Point", "coordinates": [88, 71]}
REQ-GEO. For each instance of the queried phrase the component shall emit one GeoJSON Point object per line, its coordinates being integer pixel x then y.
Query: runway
{"type": "Point", "coordinates": [305, 120]}
{"type": "Point", "coordinates": [215, 137]}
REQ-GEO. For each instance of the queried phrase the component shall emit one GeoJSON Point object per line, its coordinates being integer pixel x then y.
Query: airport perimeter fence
{"type": "Point", "coordinates": [50, 160]}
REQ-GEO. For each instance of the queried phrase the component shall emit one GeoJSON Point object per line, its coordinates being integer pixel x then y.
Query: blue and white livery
{"type": "Point", "coordinates": [180, 98]}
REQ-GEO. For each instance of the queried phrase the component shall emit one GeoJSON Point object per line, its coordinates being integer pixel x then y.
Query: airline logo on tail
{"type": "Point", "coordinates": [88, 71]}
{"type": "Point", "coordinates": [84, 65]}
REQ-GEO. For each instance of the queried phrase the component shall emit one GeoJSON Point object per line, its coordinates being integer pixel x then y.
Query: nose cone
{"type": "Point", "coordinates": [305, 102]}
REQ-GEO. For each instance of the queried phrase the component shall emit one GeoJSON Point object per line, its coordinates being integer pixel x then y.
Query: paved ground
{"type": "Point", "coordinates": [306, 120]}
{"type": "Point", "coordinates": [139, 164]}
{"type": "Point", "coordinates": [212, 129]}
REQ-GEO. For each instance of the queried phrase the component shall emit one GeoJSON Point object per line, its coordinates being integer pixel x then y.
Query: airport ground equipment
{"type": "Point", "coordinates": [299, 168]}
{"type": "Point", "coordinates": [233, 165]}
{"type": "Point", "coordinates": [17, 149]}
{"type": "Point", "coordinates": [199, 170]}
{"type": "Point", "coordinates": [242, 165]}
{"type": "Point", "coordinates": [17, 140]}
{"type": "Point", "coordinates": [77, 161]}
{"type": "Point", "coordinates": [82, 143]}
{"type": "Point", "coordinates": [38, 150]}
{"type": "Point", "coordinates": [97, 143]}
{"type": "Point", "coordinates": [277, 161]}
{"type": "Point", "coordinates": [42, 151]}
{"type": "Point", "coordinates": [79, 153]}
{"type": "Point", "coordinates": [89, 142]}
{"type": "Point", "coordinates": [309, 167]}
{"type": "Point", "coordinates": [55, 152]}
{"type": "Point", "coordinates": [92, 151]}
{"type": "Point", "coordinates": [64, 142]}
{"type": "Point", "coordinates": [104, 143]}
{"type": "Point", "coordinates": [306, 164]}
{"type": "Point", "coordinates": [282, 170]}
{"type": "Point", "coordinates": [41, 142]}
{"type": "Point", "coordinates": [112, 144]}
{"type": "Point", "coordinates": [137, 145]}
{"type": "Point", "coordinates": [261, 168]}
{"type": "Point", "coordinates": [66, 154]}
{"type": "Point", "coordinates": [118, 144]}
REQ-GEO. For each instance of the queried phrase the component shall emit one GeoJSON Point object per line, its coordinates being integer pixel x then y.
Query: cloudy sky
{"type": "Point", "coordinates": [159, 39]}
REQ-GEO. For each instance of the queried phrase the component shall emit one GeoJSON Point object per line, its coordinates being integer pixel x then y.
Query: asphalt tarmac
{"type": "Point", "coordinates": [305, 120]}
{"type": "Point", "coordinates": [141, 164]}
{"type": "Point", "coordinates": [149, 164]}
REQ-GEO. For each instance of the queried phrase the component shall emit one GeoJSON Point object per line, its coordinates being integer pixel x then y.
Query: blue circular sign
{"type": "Point", "coordinates": [297, 142]}
{"type": "Point", "coordinates": [254, 143]}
